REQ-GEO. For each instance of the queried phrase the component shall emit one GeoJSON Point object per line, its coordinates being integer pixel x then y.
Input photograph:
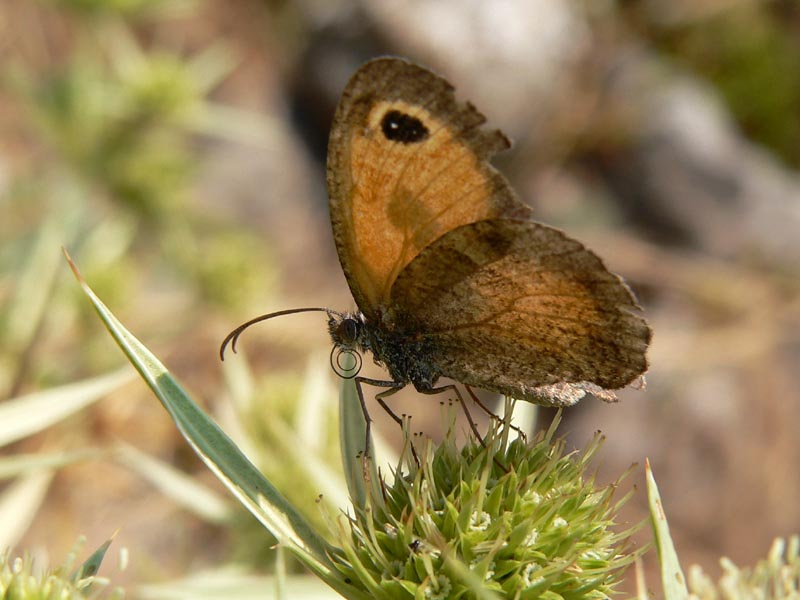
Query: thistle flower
{"type": "Point", "coordinates": [511, 519]}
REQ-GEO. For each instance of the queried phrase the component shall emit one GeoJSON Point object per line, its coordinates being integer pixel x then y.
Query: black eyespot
{"type": "Point", "coordinates": [403, 128]}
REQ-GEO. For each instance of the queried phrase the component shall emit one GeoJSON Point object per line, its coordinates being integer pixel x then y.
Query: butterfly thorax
{"type": "Point", "coordinates": [406, 355]}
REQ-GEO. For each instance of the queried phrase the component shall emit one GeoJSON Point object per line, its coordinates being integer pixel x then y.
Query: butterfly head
{"type": "Point", "coordinates": [348, 332]}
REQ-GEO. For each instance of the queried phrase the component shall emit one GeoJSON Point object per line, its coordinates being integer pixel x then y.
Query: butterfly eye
{"type": "Point", "coordinates": [347, 332]}
{"type": "Point", "coordinates": [403, 128]}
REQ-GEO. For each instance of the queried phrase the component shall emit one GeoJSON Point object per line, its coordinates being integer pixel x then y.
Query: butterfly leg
{"type": "Point", "coordinates": [472, 424]}
{"type": "Point", "coordinates": [491, 413]}
{"type": "Point", "coordinates": [457, 392]}
{"type": "Point", "coordinates": [394, 387]}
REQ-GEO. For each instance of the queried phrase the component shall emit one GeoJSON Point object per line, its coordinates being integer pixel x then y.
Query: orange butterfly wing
{"type": "Point", "coordinates": [519, 308]}
{"type": "Point", "coordinates": [439, 252]}
{"type": "Point", "coordinates": [390, 198]}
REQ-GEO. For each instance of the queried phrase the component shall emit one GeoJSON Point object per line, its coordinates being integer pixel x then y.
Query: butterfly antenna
{"type": "Point", "coordinates": [233, 336]}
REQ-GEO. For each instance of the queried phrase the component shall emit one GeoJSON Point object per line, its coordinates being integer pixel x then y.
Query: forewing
{"type": "Point", "coordinates": [406, 163]}
{"type": "Point", "coordinates": [517, 307]}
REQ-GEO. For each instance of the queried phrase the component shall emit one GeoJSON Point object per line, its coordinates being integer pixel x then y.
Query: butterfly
{"type": "Point", "coordinates": [451, 276]}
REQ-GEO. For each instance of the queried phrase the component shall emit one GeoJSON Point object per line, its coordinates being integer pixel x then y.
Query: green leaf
{"type": "Point", "coordinates": [91, 565]}
{"type": "Point", "coordinates": [222, 456]}
{"type": "Point", "coordinates": [352, 428]}
{"type": "Point", "coordinates": [672, 578]}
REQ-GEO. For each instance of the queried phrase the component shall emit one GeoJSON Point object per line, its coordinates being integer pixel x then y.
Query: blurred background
{"type": "Point", "coordinates": [177, 148]}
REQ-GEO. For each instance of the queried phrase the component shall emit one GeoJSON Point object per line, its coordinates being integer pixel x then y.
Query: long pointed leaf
{"type": "Point", "coordinates": [352, 427]}
{"type": "Point", "coordinates": [672, 578]}
{"type": "Point", "coordinates": [217, 450]}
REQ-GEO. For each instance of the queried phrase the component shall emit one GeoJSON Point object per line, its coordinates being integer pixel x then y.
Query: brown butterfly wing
{"type": "Point", "coordinates": [406, 163]}
{"type": "Point", "coordinates": [519, 308]}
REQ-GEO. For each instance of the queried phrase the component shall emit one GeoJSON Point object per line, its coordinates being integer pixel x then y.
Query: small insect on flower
{"type": "Point", "coordinates": [451, 276]}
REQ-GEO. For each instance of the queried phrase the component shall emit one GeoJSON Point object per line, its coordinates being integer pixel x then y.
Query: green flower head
{"type": "Point", "coordinates": [511, 519]}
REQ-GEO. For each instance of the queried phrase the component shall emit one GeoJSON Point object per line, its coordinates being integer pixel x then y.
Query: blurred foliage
{"type": "Point", "coordinates": [108, 166]}
{"type": "Point", "coordinates": [115, 132]}
{"type": "Point", "coordinates": [751, 53]}
{"type": "Point", "coordinates": [20, 580]}
{"type": "Point", "coordinates": [271, 421]}
{"type": "Point", "coordinates": [102, 152]}
{"type": "Point", "coordinates": [127, 8]}
{"type": "Point", "coordinates": [776, 577]}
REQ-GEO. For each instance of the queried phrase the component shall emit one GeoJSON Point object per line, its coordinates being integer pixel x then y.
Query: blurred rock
{"type": "Point", "coordinates": [693, 179]}
{"type": "Point", "coordinates": [508, 57]}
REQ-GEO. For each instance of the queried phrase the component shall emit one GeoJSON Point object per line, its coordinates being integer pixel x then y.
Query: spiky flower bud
{"type": "Point", "coordinates": [512, 519]}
